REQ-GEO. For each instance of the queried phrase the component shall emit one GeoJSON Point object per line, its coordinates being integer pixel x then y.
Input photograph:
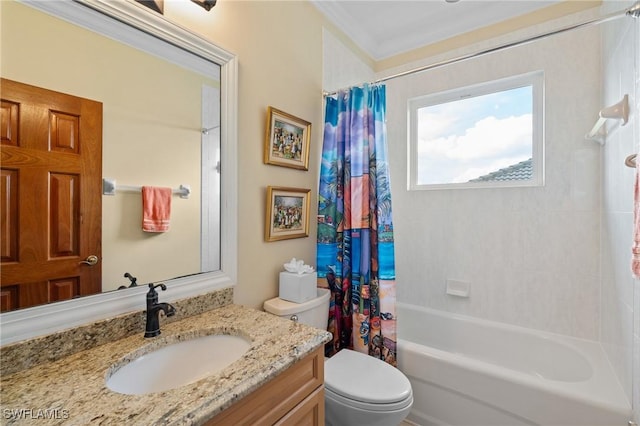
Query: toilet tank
{"type": "Point", "coordinates": [314, 312]}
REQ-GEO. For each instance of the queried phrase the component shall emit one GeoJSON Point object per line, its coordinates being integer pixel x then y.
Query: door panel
{"type": "Point", "coordinates": [9, 233]}
{"type": "Point", "coordinates": [64, 132]}
{"type": "Point", "coordinates": [9, 123]}
{"type": "Point", "coordinates": [51, 153]}
{"type": "Point", "coordinates": [65, 214]}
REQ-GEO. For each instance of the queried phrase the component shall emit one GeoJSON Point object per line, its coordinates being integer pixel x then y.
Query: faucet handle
{"type": "Point", "coordinates": [152, 294]}
{"type": "Point", "coordinates": [153, 286]}
{"type": "Point", "coordinates": [132, 279]}
{"type": "Point", "coordinates": [171, 310]}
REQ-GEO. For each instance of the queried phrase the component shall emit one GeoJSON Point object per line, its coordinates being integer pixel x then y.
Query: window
{"type": "Point", "coordinates": [486, 135]}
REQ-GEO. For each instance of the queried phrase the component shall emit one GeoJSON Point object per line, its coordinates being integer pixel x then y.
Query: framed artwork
{"type": "Point", "coordinates": [287, 140]}
{"type": "Point", "coordinates": [287, 213]}
{"type": "Point", "coordinates": [157, 5]}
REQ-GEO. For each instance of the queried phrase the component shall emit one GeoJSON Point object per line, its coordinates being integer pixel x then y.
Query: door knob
{"type": "Point", "coordinates": [91, 260]}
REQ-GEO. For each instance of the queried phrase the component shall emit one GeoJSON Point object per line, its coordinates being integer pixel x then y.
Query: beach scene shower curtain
{"type": "Point", "coordinates": [355, 251]}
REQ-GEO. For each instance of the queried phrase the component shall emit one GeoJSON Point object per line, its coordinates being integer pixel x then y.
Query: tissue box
{"type": "Point", "coordinates": [298, 288]}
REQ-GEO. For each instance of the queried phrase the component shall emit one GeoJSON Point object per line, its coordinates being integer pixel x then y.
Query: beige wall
{"type": "Point", "coordinates": [279, 49]}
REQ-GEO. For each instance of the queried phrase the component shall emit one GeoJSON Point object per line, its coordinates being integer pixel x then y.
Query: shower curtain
{"type": "Point", "coordinates": [355, 251]}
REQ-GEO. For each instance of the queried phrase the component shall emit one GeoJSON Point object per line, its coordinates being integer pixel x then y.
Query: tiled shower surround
{"type": "Point", "coordinates": [554, 258]}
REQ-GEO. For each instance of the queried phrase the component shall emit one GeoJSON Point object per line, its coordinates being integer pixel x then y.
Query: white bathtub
{"type": "Point", "coordinates": [467, 371]}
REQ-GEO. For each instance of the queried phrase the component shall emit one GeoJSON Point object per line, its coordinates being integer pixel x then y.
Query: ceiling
{"type": "Point", "coordinates": [384, 28]}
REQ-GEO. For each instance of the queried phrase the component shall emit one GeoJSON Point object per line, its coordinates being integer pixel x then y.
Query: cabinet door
{"type": "Point", "coordinates": [309, 412]}
{"type": "Point", "coordinates": [273, 401]}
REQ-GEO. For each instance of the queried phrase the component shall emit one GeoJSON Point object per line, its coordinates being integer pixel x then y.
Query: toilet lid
{"type": "Point", "coordinates": [360, 377]}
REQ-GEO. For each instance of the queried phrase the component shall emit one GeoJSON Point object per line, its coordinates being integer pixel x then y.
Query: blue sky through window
{"type": "Point", "coordinates": [463, 139]}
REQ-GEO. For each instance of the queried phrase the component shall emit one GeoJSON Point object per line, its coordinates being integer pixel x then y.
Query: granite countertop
{"type": "Point", "coordinates": [73, 390]}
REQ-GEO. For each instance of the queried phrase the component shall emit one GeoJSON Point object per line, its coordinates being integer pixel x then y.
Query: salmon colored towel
{"type": "Point", "coordinates": [156, 209]}
{"type": "Point", "coordinates": [635, 248]}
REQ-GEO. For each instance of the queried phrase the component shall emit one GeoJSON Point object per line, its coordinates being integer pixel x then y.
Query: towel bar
{"type": "Point", "coordinates": [109, 187]}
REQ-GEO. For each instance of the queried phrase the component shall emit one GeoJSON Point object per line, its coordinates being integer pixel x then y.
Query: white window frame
{"type": "Point", "coordinates": [534, 79]}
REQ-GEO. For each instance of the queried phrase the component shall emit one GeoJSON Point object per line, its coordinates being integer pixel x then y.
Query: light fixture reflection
{"type": "Point", "coordinates": [207, 4]}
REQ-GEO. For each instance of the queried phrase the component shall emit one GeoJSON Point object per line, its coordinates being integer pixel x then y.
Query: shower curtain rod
{"type": "Point", "coordinates": [633, 11]}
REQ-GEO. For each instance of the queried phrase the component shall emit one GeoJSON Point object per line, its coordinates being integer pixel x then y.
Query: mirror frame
{"type": "Point", "coordinates": [46, 319]}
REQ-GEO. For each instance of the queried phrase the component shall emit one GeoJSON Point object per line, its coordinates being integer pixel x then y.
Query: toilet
{"type": "Point", "coordinates": [359, 389]}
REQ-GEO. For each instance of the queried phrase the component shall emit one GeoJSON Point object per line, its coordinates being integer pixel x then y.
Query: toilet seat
{"type": "Point", "coordinates": [359, 380]}
{"type": "Point", "coordinates": [382, 408]}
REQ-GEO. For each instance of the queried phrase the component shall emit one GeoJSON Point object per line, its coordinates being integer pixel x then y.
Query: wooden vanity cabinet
{"type": "Point", "coordinates": [294, 397]}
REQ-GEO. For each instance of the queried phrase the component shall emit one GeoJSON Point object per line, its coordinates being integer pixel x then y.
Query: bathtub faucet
{"type": "Point", "coordinates": [153, 310]}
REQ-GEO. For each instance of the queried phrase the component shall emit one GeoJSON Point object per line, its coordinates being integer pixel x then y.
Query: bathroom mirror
{"type": "Point", "coordinates": [219, 258]}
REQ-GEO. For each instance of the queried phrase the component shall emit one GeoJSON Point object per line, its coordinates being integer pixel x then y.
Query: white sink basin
{"type": "Point", "coordinates": [177, 364]}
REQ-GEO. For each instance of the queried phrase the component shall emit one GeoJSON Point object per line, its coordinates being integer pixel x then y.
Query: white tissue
{"type": "Point", "coordinates": [298, 267]}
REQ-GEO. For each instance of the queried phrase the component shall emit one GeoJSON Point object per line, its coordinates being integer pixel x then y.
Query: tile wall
{"type": "Point", "coordinates": [620, 301]}
{"type": "Point", "coordinates": [530, 254]}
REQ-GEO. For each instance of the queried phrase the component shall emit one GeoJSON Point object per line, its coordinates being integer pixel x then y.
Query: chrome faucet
{"type": "Point", "coordinates": [153, 310]}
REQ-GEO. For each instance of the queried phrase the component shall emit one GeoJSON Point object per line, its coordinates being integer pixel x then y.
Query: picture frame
{"type": "Point", "coordinates": [287, 213]}
{"type": "Point", "coordinates": [287, 140]}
